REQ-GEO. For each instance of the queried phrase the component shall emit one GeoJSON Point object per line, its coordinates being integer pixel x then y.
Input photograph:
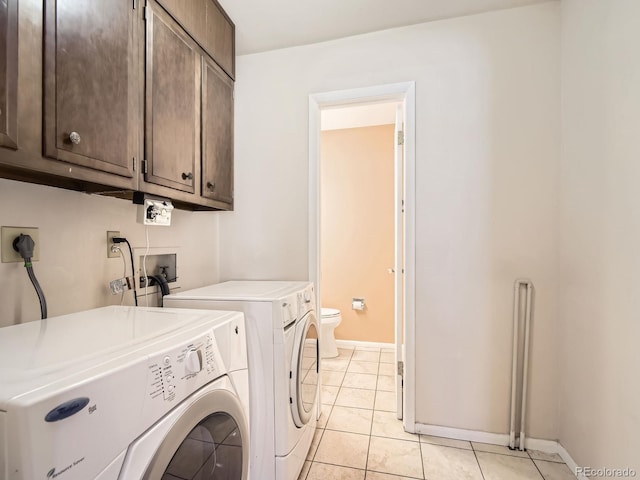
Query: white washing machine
{"type": "Point", "coordinates": [282, 345]}
{"type": "Point", "coordinates": [125, 393]}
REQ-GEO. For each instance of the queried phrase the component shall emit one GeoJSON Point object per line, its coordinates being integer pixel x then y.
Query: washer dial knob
{"type": "Point", "coordinates": [193, 361]}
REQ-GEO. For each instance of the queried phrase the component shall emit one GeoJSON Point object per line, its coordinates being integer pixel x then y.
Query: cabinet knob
{"type": "Point", "coordinates": [187, 176]}
{"type": "Point", "coordinates": [211, 185]}
{"type": "Point", "coordinates": [74, 137]}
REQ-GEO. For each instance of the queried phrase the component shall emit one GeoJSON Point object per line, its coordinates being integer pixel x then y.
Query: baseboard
{"type": "Point", "coordinates": [547, 446]}
{"type": "Point", "coordinates": [462, 434]}
{"type": "Point", "coordinates": [358, 344]}
{"type": "Point", "coordinates": [570, 462]}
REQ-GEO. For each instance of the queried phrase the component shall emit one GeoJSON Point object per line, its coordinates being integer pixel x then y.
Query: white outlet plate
{"type": "Point", "coordinates": [155, 212]}
{"type": "Point", "coordinates": [110, 235]}
{"type": "Point", "coordinates": [8, 234]}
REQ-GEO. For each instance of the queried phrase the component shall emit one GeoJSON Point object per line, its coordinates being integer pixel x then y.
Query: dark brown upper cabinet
{"type": "Point", "coordinates": [9, 73]}
{"type": "Point", "coordinates": [172, 112]}
{"type": "Point", "coordinates": [118, 96]}
{"type": "Point", "coordinates": [217, 133]}
{"type": "Point", "coordinates": [90, 90]}
{"type": "Point", "coordinates": [210, 27]}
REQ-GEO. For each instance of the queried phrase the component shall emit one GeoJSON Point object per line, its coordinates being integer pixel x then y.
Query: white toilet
{"type": "Point", "coordinates": [330, 319]}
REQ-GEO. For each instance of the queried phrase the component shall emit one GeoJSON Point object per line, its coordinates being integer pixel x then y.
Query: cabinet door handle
{"type": "Point", "coordinates": [211, 185]}
{"type": "Point", "coordinates": [74, 137]}
{"type": "Point", "coordinates": [187, 176]}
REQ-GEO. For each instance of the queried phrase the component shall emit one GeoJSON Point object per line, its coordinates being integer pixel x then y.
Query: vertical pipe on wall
{"type": "Point", "coordinates": [519, 377]}
{"type": "Point", "coordinates": [514, 365]}
{"type": "Point", "coordinates": [525, 368]}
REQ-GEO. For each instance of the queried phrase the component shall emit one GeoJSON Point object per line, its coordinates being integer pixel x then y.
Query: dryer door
{"type": "Point", "coordinates": [304, 370]}
{"type": "Point", "coordinates": [209, 441]}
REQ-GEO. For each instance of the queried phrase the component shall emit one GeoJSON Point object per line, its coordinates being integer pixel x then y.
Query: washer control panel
{"type": "Point", "coordinates": [181, 370]}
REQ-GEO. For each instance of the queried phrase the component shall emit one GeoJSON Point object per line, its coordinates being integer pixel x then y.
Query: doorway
{"type": "Point", "coordinates": [402, 97]}
{"type": "Point", "coordinates": [357, 248]}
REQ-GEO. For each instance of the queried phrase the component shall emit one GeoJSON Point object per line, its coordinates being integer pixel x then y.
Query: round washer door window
{"type": "Point", "coordinates": [214, 448]}
{"type": "Point", "coordinates": [304, 378]}
{"type": "Point", "coordinates": [211, 451]}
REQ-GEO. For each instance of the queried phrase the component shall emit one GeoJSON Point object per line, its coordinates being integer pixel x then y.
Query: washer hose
{"type": "Point", "coordinates": [162, 283]}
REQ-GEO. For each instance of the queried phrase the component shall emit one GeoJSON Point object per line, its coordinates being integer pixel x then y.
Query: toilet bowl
{"type": "Point", "coordinates": [330, 319]}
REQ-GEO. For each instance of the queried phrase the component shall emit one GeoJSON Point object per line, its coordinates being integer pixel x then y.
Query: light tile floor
{"type": "Point", "coordinates": [359, 438]}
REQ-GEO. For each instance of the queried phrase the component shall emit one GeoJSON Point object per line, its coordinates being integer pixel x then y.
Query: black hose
{"type": "Point", "coordinates": [162, 283]}
{"type": "Point", "coordinates": [133, 272]}
{"type": "Point", "coordinates": [36, 285]}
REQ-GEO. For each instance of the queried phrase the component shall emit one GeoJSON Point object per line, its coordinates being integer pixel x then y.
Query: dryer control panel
{"type": "Point", "coordinates": [306, 301]}
{"type": "Point", "coordinates": [289, 310]}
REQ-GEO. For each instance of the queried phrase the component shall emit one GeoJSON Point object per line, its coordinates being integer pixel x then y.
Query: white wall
{"type": "Point", "coordinates": [600, 233]}
{"type": "Point", "coordinates": [487, 153]}
{"type": "Point", "coordinates": [74, 270]}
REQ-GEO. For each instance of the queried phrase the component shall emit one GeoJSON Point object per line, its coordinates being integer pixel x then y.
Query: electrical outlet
{"type": "Point", "coordinates": [110, 235]}
{"type": "Point", "coordinates": [8, 235]}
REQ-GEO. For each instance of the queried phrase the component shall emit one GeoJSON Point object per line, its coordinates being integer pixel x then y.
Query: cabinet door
{"type": "Point", "coordinates": [90, 84]}
{"type": "Point", "coordinates": [208, 24]}
{"type": "Point", "coordinates": [8, 73]}
{"type": "Point", "coordinates": [217, 133]}
{"type": "Point", "coordinates": [220, 40]}
{"type": "Point", "coordinates": [172, 124]}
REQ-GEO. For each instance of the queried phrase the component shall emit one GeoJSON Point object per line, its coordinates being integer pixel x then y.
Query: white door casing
{"type": "Point", "coordinates": [398, 92]}
{"type": "Point", "coordinates": [398, 264]}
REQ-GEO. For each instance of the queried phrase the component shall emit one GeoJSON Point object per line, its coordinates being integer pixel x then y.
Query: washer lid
{"type": "Point", "coordinates": [329, 312]}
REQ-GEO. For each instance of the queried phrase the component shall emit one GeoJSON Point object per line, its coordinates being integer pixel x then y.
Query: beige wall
{"type": "Point", "coordinates": [600, 233]}
{"type": "Point", "coordinates": [74, 270]}
{"type": "Point", "coordinates": [357, 229]}
{"type": "Point", "coordinates": [487, 153]}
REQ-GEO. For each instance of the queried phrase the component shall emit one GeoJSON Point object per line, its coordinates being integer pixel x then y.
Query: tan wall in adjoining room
{"type": "Point", "coordinates": [357, 231]}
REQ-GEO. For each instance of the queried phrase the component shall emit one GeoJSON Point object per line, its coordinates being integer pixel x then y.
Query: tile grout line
{"type": "Point", "coordinates": [375, 393]}
{"type": "Point", "coordinates": [324, 429]}
{"type": "Point", "coordinates": [341, 466]}
{"type": "Point", "coordinates": [424, 475]}
{"type": "Point", "coordinates": [475, 454]}
{"type": "Point", "coordinates": [537, 468]}
{"type": "Point", "coordinates": [366, 463]}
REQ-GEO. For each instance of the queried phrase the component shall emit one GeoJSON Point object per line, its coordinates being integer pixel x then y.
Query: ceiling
{"type": "Point", "coordinates": [263, 25]}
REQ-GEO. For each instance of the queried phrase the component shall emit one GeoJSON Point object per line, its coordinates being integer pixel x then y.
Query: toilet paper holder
{"type": "Point", "coordinates": [358, 304]}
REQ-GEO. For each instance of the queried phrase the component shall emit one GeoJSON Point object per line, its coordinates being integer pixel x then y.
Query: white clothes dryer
{"type": "Point", "coordinates": [282, 345]}
{"type": "Point", "coordinates": [125, 393]}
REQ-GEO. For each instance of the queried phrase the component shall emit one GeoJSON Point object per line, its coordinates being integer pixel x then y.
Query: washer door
{"type": "Point", "coordinates": [304, 370]}
{"type": "Point", "coordinates": [203, 444]}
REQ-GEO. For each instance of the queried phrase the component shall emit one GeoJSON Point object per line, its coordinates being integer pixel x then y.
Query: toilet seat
{"type": "Point", "coordinates": [329, 313]}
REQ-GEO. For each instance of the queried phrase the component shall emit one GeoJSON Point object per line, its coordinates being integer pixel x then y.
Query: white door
{"type": "Point", "coordinates": [399, 256]}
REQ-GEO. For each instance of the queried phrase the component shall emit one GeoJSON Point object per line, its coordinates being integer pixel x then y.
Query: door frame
{"type": "Point", "coordinates": [399, 92]}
